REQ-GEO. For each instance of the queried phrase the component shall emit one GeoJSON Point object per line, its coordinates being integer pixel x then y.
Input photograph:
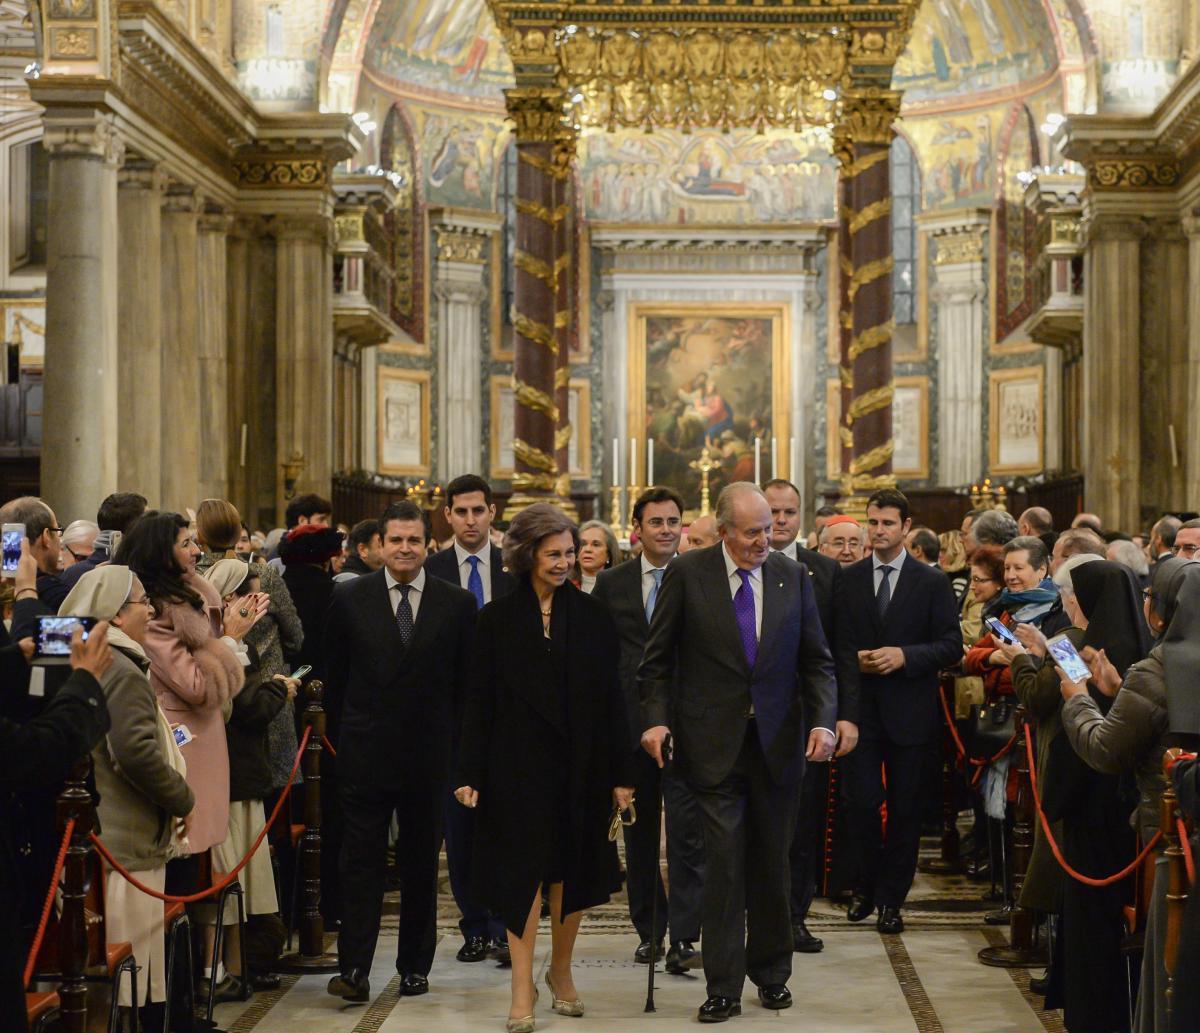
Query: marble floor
{"type": "Point", "coordinates": [927, 980]}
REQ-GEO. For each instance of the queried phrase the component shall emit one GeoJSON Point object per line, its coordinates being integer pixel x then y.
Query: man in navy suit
{"type": "Point", "coordinates": [905, 630]}
{"type": "Point", "coordinates": [737, 663]}
{"type": "Point", "coordinates": [475, 564]}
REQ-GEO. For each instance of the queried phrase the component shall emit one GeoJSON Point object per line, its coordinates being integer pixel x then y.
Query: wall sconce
{"type": "Point", "coordinates": [291, 473]}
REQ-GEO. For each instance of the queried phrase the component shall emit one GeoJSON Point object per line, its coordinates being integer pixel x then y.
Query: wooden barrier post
{"type": "Point", "coordinates": [1020, 952]}
{"type": "Point", "coordinates": [1177, 881]}
{"type": "Point", "coordinates": [949, 861]}
{"type": "Point", "coordinates": [312, 956]}
{"type": "Point", "coordinates": [75, 802]}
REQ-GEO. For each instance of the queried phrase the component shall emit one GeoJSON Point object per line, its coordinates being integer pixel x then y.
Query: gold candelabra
{"type": "Point", "coordinates": [614, 519]}
{"type": "Point", "coordinates": [984, 496]}
{"type": "Point", "coordinates": [427, 496]}
{"type": "Point", "coordinates": [634, 492]}
{"type": "Point", "coordinates": [704, 466]}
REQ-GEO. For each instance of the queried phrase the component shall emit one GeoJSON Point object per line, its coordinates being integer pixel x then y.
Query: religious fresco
{"type": "Point", "coordinates": [957, 158]}
{"type": "Point", "coordinates": [707, 375]}
{"type": "Point", "coordinates": [446, 45]}
{"type": "Point", "coordinates": [708, 176]}
{"type": "Point", "coordinates": [961, 46]}
{"type": "Point", "coordinates": [460, 154]}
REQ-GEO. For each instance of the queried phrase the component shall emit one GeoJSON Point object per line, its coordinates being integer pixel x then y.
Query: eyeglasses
{"type": "Point", "coordinates": [983, 580]}
{"type": "Point", "coordinates": [1185, 550]}
{"type": "Point", "coordinates": [1147, 594]}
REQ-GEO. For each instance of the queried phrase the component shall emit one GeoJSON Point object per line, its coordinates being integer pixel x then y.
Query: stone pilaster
{"type": "Point", "coordinates": [1111, 382]}
{"type": "Point", "coordinates": [139, 333]}
{"type": "Point", "coordinates": [212, 312]}
{"type": "Point", "coordinates": [461, 243]}
{"type": "Point", "coordinates": [959, 292]}
{"type": "Point", "coordinates": [179, 393]}
{"type": "Point", "coordinates": [867, 356]}
{"type": "Point", "coordinates": [304, 347]}
{"type": "Point", "coordinates": [1191, 436]}
{"type": "Point", "coordinates": [80, 442]}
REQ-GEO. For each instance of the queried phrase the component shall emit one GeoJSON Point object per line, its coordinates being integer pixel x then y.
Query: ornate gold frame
{"type": "Point", "coordinates": [995, 379]}
{"type": "Point", "coordinates": [422, 377]}
{"type": "Point", "coordinates": [781, 351]}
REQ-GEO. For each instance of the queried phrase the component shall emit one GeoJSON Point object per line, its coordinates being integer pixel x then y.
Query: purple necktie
{"type": "Point", "coordinates": [743, 610]}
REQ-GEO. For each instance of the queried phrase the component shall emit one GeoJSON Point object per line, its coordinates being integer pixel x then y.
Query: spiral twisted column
{"type": "Point", "coordinates": [564, 293]}
{"type": "Point", "coordinates": [537, 113]}
{"type": "Point", "coordinates": [866, 220]}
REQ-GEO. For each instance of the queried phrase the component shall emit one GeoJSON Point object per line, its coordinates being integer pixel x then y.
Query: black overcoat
{"type": "Point", "coordinates": [531, 722]}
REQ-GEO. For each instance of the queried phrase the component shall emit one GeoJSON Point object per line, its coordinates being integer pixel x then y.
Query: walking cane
{"type": "Point", "coordinates": [658, 809]}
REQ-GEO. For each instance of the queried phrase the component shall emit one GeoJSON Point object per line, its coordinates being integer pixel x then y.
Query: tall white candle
{"type": "Point", "coordinates": [649, 462]}
{"type": "Point", "coordinates": [616, 470]}
{"type": "Point", "coordinates": [633, 461]}
{"type": "Point", "coordinates": [793, 466]}
{"type": "Point", "coordinates": [774, 456]}
{"type": "Point", "coordinates": [757, 460]}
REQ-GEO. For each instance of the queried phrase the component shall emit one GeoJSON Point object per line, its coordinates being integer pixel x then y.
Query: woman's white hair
{"type": "Point", "coordinates": [1062, 576]}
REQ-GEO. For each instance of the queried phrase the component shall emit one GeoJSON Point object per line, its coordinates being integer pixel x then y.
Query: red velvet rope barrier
{"type": "Point", "coordinates": [1186, 845]}
{"type": "Point", "coordinates": [962, 750]}
{"type": "Point", "coordinates": [1124, 873]}
{"type": "Point", "coordinates": [212, 890]}
{"type": "Point", "coordinates": [36, 947]}
{"type": "Point", "coordinates": [328, 746]}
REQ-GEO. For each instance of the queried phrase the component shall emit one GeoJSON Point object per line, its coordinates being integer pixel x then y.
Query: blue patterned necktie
{"type": "Point", "coordinates": [884, 595]}
{"type": "Point", "coordinates": [404, 615]}
{"type": "Point", "coordinates": [743, 610]}
{"type": "Point", "coordinates": [652, 598]}
{"type": "Point", "coordinates": [475, 582]}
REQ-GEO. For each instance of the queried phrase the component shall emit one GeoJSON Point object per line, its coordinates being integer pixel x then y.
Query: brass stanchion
{"type": "Point", "coordinates": [1177, 883]}
{"type": "Point", "coordinates": [75, 802]}
{"type": "Point", "coordinates": [1021, 951]}
{"type": "Point", "coordinates": [948, 862]}
{"type": "Point", "coordinates": [312, 956]}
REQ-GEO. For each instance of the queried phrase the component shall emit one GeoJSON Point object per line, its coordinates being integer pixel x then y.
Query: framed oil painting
{"type": "Point", "coordinates": [712, 374]}
{"type": "Point", "coordinates": [402, 420]}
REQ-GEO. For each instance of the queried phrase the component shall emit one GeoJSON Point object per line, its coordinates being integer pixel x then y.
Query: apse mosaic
{"type": "Point", "coordinates": [708, 176]}
{"type": "Point", "coordinates": [446, 45]}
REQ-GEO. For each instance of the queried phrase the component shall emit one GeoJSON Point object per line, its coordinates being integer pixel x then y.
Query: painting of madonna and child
{"type": "Point", "coordinates": [708, 375]}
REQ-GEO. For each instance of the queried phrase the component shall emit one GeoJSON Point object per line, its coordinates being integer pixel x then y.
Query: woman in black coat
{"type": "Point", "coordinates": [544, 754]}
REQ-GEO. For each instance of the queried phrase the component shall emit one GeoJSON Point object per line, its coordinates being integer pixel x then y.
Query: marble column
{"type": "Point", "coordinates": [304, 349]}
{"type": "Point", "coordinates": [139, 328]}
{"type": "Point", "coordinates": [461, 294]}
{"type": "Point", "coordinates": [867, 356]}
{"type": "Point", "coordinates": [959, 292]}
{"type": "Point", "coordinates": [79, 450]}
{"type": "Point", "coordinates": [1111, 381]}
{"type": "Point", "coordinates": [179, 397]}
{"type": "Point", "coordinates": [537, 113]}
{"type": "Point", "coordinates": [1191, 432]}
{"type": "Point", "coordinates": [215, 434]}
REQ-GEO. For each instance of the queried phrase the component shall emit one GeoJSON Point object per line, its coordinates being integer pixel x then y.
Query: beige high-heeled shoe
{"type": "Point", "coordinates": [526, 1023]}
{"type": "Point", "coordinates": [573, 1009]}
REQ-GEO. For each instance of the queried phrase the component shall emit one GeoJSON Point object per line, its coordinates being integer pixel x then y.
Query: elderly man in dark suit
{"type": "Point", "coordinates": [905, 630]}
{"type": "Point", "coordinates": [736, 659]}
{"type": "Point", "coordinates": [396, 645]}
{"type": "Point", "coordinates": [816, 809]}
{"type": "Point", "coordinates": [475, 564]}
{"type": "Point", "coordinates": [630, 591]}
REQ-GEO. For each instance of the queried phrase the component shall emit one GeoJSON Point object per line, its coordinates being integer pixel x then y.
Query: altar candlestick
{"type": "Point", "coordinates": [649, 462]}
{"type": "Point", "coordinates": [792, 466]}
{"type": "Point", "coordinates": [616, 470]}
{"type": "Point", "coordinates": [632, 476]}
{"type": "Point", "coordinates": [757, 460]}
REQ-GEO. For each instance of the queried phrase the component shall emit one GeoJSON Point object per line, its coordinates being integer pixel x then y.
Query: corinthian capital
{"type": "Point", "coordinates": [869, 114]}
{"type": "Point", "coordinates": [537, 112]}
{"type": "Point", "coordinates": [84, 132]}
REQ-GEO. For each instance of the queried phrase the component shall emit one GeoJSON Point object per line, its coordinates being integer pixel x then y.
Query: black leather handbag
{"type": "Point", "coordinates": [995, 723]}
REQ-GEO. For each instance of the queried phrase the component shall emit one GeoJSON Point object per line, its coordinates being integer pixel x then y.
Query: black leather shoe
{"type": "Point", "coordinates": [890, 923]}
{"type": "Point", "coordinates": [682, 957]}
{"type": "Point", "coordinates": [261, 982]}
{"type": "Point", "coordinates": [230, 988]}
{"type": "Point", "coordinates": [351, 986]}
{"type": "Point", "coordinates": [776, 997]}
{"type": "Point", "coordinates": [414, 985]}
{"type": "Point", "coordinates": [498, 951]}
{"type": "Point", "coordinates": [642, 954]}
{"type": "Point", "coordinates": [474, 949]}
{"type": "Point", "coordinates": [1040, 984]}
{"type": "Point", "coordinates": [803, 942]}
{"type": "Point", "coordinates": [860, 908]}
{"type": "Point", "coordinates": [719, 1009]}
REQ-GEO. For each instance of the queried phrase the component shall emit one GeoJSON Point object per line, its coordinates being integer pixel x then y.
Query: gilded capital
{"type": "Point", "coordinates": [959, 244]}
{"type": "Point", "coordinates": [869, 115]}
{"type": "Point", "coordinates": [537, 112]}
{"type": "Point", "coordinates": [461, 246]}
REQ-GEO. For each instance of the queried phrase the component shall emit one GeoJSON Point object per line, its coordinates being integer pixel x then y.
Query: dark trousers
{"type": "Point", "coordinates": [748, 821]}
{"type": "Point", "coordinates": [685, 856]}
{"type": "Point", "coordinates": [460, 848]}
{"type": "Point", "coordinates": [887, 863]}
{"type": "Point", "coordinates": [808, 844]}
{"type": "Point", "coordinates": [366, 814]}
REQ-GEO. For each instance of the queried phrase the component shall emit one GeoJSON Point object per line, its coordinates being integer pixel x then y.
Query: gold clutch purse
{"type": "Point", "coordinates": [618, 820]}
